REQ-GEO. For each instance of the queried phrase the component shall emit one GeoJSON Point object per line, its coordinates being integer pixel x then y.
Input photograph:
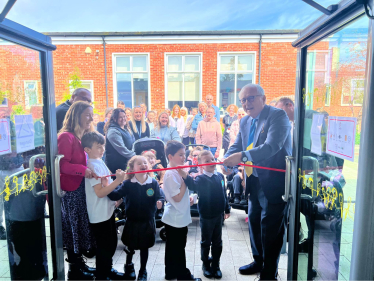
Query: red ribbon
{"type": "Point", "coordinates": [200, 165]}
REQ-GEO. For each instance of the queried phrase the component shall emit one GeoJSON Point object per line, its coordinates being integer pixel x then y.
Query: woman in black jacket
{"type": "Point", "coordinates": [119, 140]}
{"type": "Point", "coordinates": [138, 126]}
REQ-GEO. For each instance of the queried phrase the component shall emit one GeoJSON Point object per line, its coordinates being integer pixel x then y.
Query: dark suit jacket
{"type": "Point", "coordinates": [272, 143]}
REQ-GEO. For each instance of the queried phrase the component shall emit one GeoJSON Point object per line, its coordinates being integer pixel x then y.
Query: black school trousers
{"type": "Point", "coordinates": [266, 228]}
{"type": "Point", "coordinates": [175, 255]}
{"type": "Point", "coordinates": [106, 240]}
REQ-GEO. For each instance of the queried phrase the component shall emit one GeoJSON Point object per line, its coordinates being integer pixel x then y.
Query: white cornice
{"type": "Point", "coordinates": [179, 39]}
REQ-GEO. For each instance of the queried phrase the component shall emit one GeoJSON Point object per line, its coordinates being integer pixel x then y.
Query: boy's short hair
{"type": "Point", "coordinates": [204, 153]}
{"type": "Point", "coordinates": [172, 147]}
{"type": "Point", "coordinates": [90, 138]}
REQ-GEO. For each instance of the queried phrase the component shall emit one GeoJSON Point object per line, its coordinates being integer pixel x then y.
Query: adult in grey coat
{"type": "Point", "coordinates": [264, 139]}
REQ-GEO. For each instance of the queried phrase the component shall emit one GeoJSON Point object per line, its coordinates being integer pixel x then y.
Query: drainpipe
{"type": "Point", "coordinates": [106, 78]}
{"type": "Point", "coordinates": [259, 60]}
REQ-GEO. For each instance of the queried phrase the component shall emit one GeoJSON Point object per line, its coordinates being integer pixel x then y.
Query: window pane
{"type": "Point", "coordinates": [226, 89]}
{"type": "Point", "coordinates": [124, 89]}
{"type": "Point", "coordinates": [245, 63]}
{"type": "Point", "coordinates": [139, 63]}
{"type": "Point", "coordinates": [191, 89]}
{"type": "Point", "coordinates": [174, 63]}
{"type": "Point", "coordinates": [191, 63]}
{"type": "Point", "coordinates": [140, 88]}
{"type": "Point", "coordinates": [227, 63]}
{"type": "Point", "coordinates": [31, 93]}
{"type": "Point", "coordinates": [123, 64]}
{"type": "Point", "coordinates": [242, 80]}
{"type": "Point", "coordinates": [175, 84]}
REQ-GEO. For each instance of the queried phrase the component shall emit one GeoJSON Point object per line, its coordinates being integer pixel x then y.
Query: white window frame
{"type": "Point", "coordinates": [166, 55]}
{"type": "Point", "coordinates": [114, 66]}
{"type": "Point", "coordinates": [27, 102]}
{"type": "Point", "coordinates": [91, 82]}
{"type": "Point", "coordinates": [235, 72]}
{"type": "Point", "coordinates": [351, 92]}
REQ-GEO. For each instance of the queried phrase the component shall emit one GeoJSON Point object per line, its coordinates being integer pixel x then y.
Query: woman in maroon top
{"type": "Point", "coordinates": [76, 233]}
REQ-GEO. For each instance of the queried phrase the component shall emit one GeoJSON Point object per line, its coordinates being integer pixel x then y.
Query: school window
{"type": "Point", "coordinates": [87, 84]}
{"type": "Point", "coordinates": [356, 94]}
{"type": "Point", "coordinates": [131, 79]}
{"type": "Point", "coordinates": [183, 80]}
{"type": "Point", "coordinates": [31, 93]}
{"type": "Point", "coordinates": [234, 71]}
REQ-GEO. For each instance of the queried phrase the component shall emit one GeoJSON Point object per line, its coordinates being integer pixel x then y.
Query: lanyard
{"type": "Point", "coordinates": [139, 129]}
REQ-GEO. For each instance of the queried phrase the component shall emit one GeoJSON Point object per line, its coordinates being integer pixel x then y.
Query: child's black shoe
{"type": "Point", "coordinates": [207, 271]}
{"type": "Point", "coordinates": [115, 275]}
{"type": "Point", "coordinates": [142, 275]}
{"type": "Point", "coordinates": [216, 272]}
{"type": "Point", "coordinates": [129, 272]}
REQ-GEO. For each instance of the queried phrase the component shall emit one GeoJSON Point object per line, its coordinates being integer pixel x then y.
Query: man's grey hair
{"type": "Point", "coordinates": [259, 89]}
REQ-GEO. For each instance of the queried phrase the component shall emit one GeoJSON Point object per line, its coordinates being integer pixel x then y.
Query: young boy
{"type": "Point", "coordinates": [176, 215]}
{"type": "Point", "coordinates": [100, 208]}
{"type": "Point", "coordinates": [210, 187]}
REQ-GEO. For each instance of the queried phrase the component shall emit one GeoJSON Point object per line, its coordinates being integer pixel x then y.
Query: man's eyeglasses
{"type": "Point", "coordinates": [249, 99]}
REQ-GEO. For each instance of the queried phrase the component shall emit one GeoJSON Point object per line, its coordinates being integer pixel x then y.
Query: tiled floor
{"type": "Point", "coordinates": [236, 252]}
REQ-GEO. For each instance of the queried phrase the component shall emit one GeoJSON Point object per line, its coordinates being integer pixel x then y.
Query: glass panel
{"type": "Point", "coordinates": [227, 90]}
{"type": "Point", "coordinates": [191, 63]}
{"type": "Point", "coordinates": [191, 89]}
{"type": "Point", "coordinates": [242, 80]}
{"type": "Point", "coordinates": [328, 177]}
{"type": "Point", "coordinates": [175, 90]}
{"type": "Point", "coordinates": [174, 63]}
{"type": "Point", "coordinates": [26, 249]}
{"type": "Point", "coordinates": [139, 63]}
{"type": "Point", "coordinates": [140, 89]}
{"type": "Point", "coordinates": [124, 89]}
{"type": "Point", "coordinates": [123, 63]}
{"type": "Point", "coordinates": [245, 63]}
{"type": "Point", "coordinates": [227, 63]}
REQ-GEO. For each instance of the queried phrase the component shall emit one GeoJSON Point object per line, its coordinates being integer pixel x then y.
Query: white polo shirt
{"type": "Point", "coordinates": [176, 214]}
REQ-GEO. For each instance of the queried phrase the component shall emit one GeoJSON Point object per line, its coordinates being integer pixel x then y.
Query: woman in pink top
{"type": "Point", "coordinates": [76, 233]}
{"type": "Point", "coordinates": [234, 130]}
{"type": "Point", "coordinates": [209, 132]}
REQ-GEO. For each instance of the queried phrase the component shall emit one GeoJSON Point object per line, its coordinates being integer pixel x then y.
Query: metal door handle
{"type": "Point", "coordinates": [32, 168]}
{"type": "Point", "coordinates": [59, 192]}
{"type": "Point", "coordinates": [287, 194]}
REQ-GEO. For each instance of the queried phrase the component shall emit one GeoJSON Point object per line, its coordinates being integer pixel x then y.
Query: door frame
{"type": "Point", "coordinates": [31, 39]}
{"type": "Point", "coordinates": [347, 12]}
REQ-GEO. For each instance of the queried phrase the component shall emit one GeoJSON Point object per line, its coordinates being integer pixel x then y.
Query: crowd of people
{"type": "Point", "coordinates": [95, 149]}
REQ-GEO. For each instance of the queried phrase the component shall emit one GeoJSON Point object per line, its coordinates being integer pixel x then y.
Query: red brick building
{"type": "Point", "coordinates": [165, 68]}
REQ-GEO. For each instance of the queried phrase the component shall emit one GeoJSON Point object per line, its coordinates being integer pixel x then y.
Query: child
{"type": "Point", "coordinates": [151, 157]}
{"type": "Point", "coordinates": [141, 196]}
{"type": "Point", "coordinates": [99, 208]}
{"type": "Point", "coordinates": [192, 160]}
{"type": "Point", "coordinates": [176, 215]}
{"type": "Point", "coordinates": [212, 203]}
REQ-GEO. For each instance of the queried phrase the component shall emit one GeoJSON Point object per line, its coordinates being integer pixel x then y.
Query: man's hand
{"type": "Point", "coordinates": [191, 200]}
{"type": "Point", "coordinates": [227, 216]}
{"type": "Point", "coordinates": [104, 181]}
{"type": "Point", "coordinates": [233, 159]}
{"type": "Point", "coordinates": [182, 173]}
{"type": "Point", "coordinates": [159, 204]}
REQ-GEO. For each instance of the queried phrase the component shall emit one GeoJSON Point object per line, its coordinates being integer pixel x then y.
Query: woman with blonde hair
{"type": "Point", "coordinates": [76, 232]}
{"type": "Point", "coordinates": [138, 126]}
{"type": "Point", "coordinates": [163, 130]}
{"type": "Point", "coordinates": [151, 119]}
{"type": "Point", "coordinates": [232, 109]}
{"type": "Point", "coordinates": [100, 125]}
{"type": "Point", "coordinates": [181, 126]}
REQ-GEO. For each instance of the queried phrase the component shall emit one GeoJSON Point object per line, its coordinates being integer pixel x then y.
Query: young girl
{"type": "Point", "coordinates": [154, 163]}
{"type": "Point", "coordinates": [141, 196]}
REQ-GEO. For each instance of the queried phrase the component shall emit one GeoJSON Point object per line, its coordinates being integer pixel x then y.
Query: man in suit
{"type": "Point", "coordinates": [264, 139]}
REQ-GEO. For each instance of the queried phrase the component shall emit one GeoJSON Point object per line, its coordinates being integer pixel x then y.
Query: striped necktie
{"type": "Point", "coordinates": [249, 170]}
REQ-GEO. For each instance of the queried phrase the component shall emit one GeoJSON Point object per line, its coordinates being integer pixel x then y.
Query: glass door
{"type": "Point", "coordinates": [327, 179]}
{"type": "Point", "coordinates": [30, 228]}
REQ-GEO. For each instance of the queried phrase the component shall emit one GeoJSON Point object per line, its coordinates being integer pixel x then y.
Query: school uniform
{"type": "Point", "coordinates": [176, 219]}
{"type": "Point", "coordinates": [140, 205]}
{"type": "Point", "coordinates": [101, 216]}
{"type": "Point", "coordinates": [212, 204]}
